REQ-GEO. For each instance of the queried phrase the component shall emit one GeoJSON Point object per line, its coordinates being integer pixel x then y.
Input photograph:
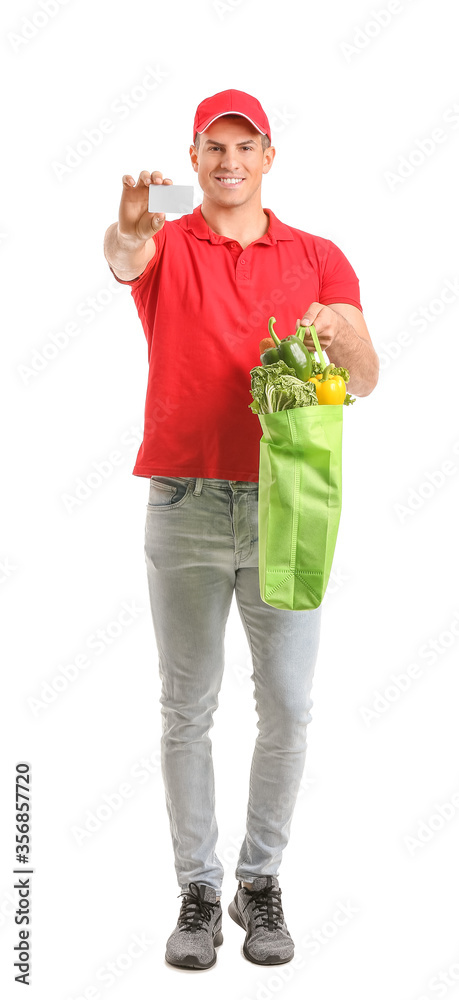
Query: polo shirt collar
{"type": "Point", "coordinates": [197, 224]}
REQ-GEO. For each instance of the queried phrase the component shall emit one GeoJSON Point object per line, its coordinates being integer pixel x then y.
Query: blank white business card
{"type": "Point", "coordinates": [170, 198]}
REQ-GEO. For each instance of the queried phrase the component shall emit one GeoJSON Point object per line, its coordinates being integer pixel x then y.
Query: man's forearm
{"type": "Point", "coordinates": [350, 351]}
{"type": "Point", "coordinates": [127, 257]}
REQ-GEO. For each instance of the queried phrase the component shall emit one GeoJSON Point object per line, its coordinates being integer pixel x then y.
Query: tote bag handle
{"type": "Point", "coordinates": [317, 346]}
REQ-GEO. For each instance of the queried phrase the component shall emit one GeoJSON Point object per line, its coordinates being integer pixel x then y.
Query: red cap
{"type": "Point", "coordinates": [230, 102]}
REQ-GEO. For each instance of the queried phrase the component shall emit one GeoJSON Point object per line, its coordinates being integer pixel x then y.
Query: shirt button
{"type": "Point", "coordinates": [242, 260]}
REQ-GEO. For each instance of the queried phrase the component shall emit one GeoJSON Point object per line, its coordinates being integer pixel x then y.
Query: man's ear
{"type": "Point", "coordinates": [269, 159]}
{"type": "Point", "coordinates": [194, 152]}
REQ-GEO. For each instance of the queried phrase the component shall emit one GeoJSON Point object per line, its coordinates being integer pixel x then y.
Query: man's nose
{"type": "Point", "coordinates": [229, 161]}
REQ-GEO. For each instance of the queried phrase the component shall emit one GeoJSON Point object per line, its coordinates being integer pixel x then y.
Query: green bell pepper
{"type": "Point", "coordinates": [291, 350]}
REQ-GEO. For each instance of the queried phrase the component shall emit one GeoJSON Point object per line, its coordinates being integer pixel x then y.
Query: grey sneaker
{"type": "Point", "coordinates": [192, 944]}
{"type": "Point", "coordinates": [259, 912]}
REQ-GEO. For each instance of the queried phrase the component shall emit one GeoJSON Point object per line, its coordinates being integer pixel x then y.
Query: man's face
{"type": "Point", "coordinates": [231, 148]}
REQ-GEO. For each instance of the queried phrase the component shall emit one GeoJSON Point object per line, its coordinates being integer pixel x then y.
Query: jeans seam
{"type": "Point", "coordinates": [249, 514]}
{"type": "Point", "coordinates": [241, 612]}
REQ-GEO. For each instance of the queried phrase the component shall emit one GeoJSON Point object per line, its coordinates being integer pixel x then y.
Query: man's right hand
{"type": "Point", "coordinates": [135, 222]}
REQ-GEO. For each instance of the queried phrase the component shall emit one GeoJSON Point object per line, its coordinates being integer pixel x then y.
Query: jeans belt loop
{"type": "Point", "coordinates": [198, 488]}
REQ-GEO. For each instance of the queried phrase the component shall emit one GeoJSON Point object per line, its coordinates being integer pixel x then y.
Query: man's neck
{"type": "Point", "coordinates": [241, 223]}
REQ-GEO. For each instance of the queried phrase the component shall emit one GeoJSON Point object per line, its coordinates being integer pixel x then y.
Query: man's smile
{"type": "Point", "coordinates": [230, 181]}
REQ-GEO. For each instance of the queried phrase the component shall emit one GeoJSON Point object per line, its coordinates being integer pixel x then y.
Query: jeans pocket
{"type": "Point", "coordinates": [167, 492]}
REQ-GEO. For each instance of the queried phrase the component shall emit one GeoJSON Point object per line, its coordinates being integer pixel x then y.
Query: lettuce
{"type": "Point", "coordinates": [341, 371]}
{"type": "Point", "coordinates": [276, 387]}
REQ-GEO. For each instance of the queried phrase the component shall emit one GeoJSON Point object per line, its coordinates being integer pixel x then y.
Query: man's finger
{"type": "Point", "coordinates": [144, 179]}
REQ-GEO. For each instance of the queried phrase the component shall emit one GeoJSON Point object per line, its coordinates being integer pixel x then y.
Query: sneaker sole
{"type": "Point", "coordinates": [271, 959]}
{"type": "Point", "coordinates": [191, 962]}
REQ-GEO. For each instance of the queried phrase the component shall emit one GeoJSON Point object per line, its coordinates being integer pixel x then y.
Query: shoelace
{"type": "Point", "coordinates": [267, 907]}
{"type": "Point", "coordinates": [195, 910]}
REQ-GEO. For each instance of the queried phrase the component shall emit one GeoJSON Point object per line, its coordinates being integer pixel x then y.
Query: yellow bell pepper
{"type": "Point", "coordinates": [329, 388]}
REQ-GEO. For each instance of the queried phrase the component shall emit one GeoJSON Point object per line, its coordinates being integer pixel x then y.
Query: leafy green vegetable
{"type": "Point", "coordinates": [341, 371]}
{"type": "Point", "coordinates": [316, 367]}
{"type": "Point", "coordinates": [275, 387]}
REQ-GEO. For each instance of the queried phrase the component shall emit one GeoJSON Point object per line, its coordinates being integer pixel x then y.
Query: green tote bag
{"type": "Point", "coordinates": [299, 503]}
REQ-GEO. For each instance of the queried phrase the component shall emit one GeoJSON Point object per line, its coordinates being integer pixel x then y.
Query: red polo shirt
{"type": "Point", "coordinates": [204, 303]}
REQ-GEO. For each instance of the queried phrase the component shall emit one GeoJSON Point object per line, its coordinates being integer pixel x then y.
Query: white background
{"type": "Point", "coordinates": [351, 98]}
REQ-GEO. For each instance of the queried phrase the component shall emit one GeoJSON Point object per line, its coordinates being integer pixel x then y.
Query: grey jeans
{"type": "Point", "coordinates": [201, 544]}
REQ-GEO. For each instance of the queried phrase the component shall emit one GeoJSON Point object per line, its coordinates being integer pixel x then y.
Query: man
{"type": "Point", "coordinates": [205, 286]}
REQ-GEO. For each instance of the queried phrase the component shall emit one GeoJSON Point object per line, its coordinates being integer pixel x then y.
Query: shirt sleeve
{"type": "Point", "coordinates": [141, 278]}
{"type": "Point", "coordinates": [339, 280]}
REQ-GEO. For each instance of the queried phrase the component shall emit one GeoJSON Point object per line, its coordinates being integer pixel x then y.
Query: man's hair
{"type": "Point", "coordinates": [265, 141]}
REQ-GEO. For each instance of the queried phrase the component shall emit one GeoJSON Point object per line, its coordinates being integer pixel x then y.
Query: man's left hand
{"type": "Point", "coordinates": [327, 322]}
